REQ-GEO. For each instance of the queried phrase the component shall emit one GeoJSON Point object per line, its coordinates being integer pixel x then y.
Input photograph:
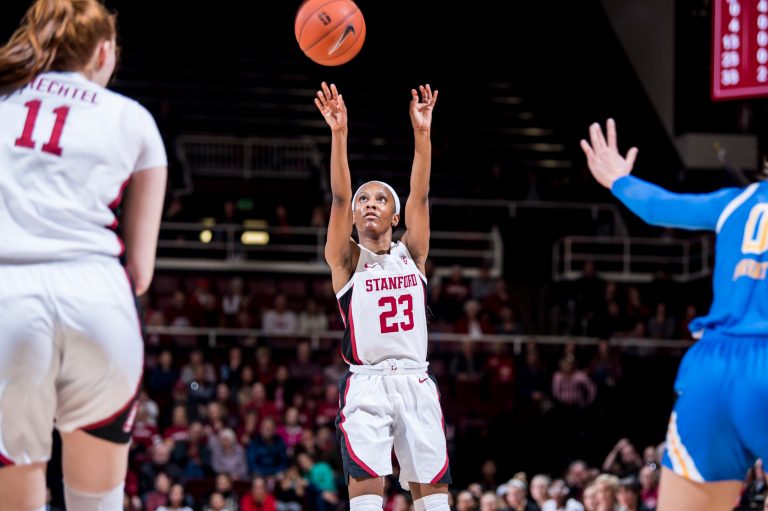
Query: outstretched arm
{"type": "Point", "coordinates": [341, 252]}
{"type": "Point", "coordinates": [416, 237]}
{"type": "Point", "coordinates": [652, 203]}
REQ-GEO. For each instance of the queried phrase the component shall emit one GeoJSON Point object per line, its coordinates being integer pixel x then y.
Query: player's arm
{"type": "Point", "coordinates": [652, 203]}
{"type": "Point", "coordinates": [341, 252]}
{"type": "Point", "coordinates": [142, 211]}
{"type": "Point", "coordinates": [416, 237]}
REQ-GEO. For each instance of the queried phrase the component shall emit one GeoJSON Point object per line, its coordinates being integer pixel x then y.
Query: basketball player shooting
{"type": "Point", "coordinates": [388, 399]}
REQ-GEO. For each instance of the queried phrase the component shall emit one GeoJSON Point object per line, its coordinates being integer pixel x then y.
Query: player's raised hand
{"type": "Point", "coordinates": [421, 110]}
{"type": "Point", "coordinates": [331, 105]}
{"type": "Point", "coordinates": [603, 157]}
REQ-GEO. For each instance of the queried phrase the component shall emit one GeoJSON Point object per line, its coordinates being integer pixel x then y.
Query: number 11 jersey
{"type": "Point", "coordinates": [67, 150]}
{"type": "Point", "coordinates": [383, 307]}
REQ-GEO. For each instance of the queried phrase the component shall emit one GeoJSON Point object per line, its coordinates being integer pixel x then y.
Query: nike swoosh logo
{"type": "Point", "coordinates": [349, 30]}
{"type": "Point", "coordinates": [422, 381]}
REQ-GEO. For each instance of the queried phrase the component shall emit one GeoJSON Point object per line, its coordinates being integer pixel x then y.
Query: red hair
{"type": "Point", "coordinates": [55, 35]}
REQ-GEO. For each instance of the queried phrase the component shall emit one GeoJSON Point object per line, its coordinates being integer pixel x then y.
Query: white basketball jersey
{"type": "Point", "coordinates": [67, 150]}
{"type": "Point", "coordinates": [383, 307]}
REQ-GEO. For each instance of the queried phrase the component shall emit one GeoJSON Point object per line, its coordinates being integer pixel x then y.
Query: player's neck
{"type": "Point", "coordinates": [377, 245]}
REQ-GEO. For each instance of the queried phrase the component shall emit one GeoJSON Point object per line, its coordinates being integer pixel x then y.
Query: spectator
{"type": "Point", "coordinates": [229, 372]}
{"type": "Point", "coordinates": [498, 300]}
{"type": "Point", "coordinates": [259, 499]}
{"type": "Point", "coordinates": [162, 378]}
{"type": "Point", "coordinates": [572, 387]}
{"type": "Point", "coordinates": [649, 486]}
{"type": "Point", "coordinates": [291, 490]}
{"type": "Point", "coordinates": [197, 369]}
{"type": "Point", "coordinates": [332, 372]}
{"type": "Point", "coordinates": [279, 319]}
{"type": "Point", "coordinates": [319, 474]}
{"type": "Point", "coordinates": [465, 366]}
{"type": "Point", "coordinates": [266, 369]}
{"type": "Point", "coordinates": [489, 471]}
{"type": "Point", "coordinates": [233, 302]}
{"type": "Point", "coordinates": [623, 460]}
{"type": "Point", "coordinates": [290, 431]}
{"type": "Point", "coordinates": [304, 370]}
{"type": "Point", "coordinates": [590, 498]}
{"type": "Point", "coordinates": [540, 489]}
{"type": "Point", "coordinates": [194, 455]}
{"type": "Point", "coordinates": [177, 500]}
{"type": "Point", "coordinates": [560, 498]}
{"type": "Point", "coordinates": [158, 496]}
{"type": "Point", "coordinates": [473, 323]}
{"type": "Point", "coordinates": [534, 381]}
{"type": "Point", "coordinates": [282, 388]}
{"type": "Point", "coordinates": [482, 285]}
{"type": "Point", "coordinates": [178, 431]}
{"type": "Point", "coordinates": [259, 402]}
{"type": "Point", "coordinates": [508, 323]}
{"type": "Point", "coordinates": [227, 455]}
{"type": "Point", "coordinates": [454, 292]}
{"type": "Point", "coordinates": [267, 453]}
{"type": "Point", "coordinates": [204, 303]}
{"type": "Point", "coordinates": [489, 502]}
{"type": "Point", "coordinates": [216, 502]}
{"type": "Point", "coordinates": [515, 494]}
{"type": "Point", "coordinates": [159, 462]}
{"type": "Point", "coordinates": [577, 476]}
{"type": "Point", "coordinates": [312, 320]}
{"type": "Point", "coordinates": [628, 495]}
{"type": "Point", "coordinates": [465, 501]}
{"type": "Point", "coordinates": [605, 368]}
{"type": "Point", "coordinates": [661, 326]}
{"type": "Point", "coordinates": [605, 494]}
{"type": "Point", "coordinates": [231, 501]}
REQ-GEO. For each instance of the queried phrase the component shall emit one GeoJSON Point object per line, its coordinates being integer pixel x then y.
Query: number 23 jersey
{"type": "Point", "coordinates": [67, 150]}
{"type": "Point", "coordinates": [383, 307]}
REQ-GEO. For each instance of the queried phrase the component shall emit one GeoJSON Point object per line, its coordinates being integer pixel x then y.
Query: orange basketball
{"type": "Point", "coordinates": [330, 32]}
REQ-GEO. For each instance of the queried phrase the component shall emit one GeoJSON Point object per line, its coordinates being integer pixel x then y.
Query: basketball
{"type": "Point", "coordinates": [330, 33]}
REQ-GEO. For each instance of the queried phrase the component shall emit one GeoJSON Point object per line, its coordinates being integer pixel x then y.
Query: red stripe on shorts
{"type": "Point", "coordinates": [346, 437]}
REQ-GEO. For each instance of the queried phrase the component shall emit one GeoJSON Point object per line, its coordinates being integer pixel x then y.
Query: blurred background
{"type": "Point", "coordinates": [559, 318]}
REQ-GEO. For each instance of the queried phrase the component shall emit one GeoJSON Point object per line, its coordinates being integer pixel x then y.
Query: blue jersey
{"type": "Point", "coordinates": [740, 219]}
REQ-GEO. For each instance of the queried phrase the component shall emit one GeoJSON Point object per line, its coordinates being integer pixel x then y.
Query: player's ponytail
{"type": "Point", "coordinates": [59, 35]}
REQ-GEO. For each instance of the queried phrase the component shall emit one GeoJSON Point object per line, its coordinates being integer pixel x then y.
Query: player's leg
{"type": "Point", "coordinates": [433, 497]}
{"type": "Point", "coordinates": [28, 366]}
{"type": "Point", "coordinates": [363, 428]}
{"type": "Point", "coordinates": [98, 382]}
{"type": "Point", "coordinates": [81, 453]}
{"type": "Point", "coordinates": [705, 458]}
{"type": "Point", "coordinates": [677, 493]}
{"type": "Point", "coordinates": [23, 487]}
{"type": "Point", "coordinates": [420, 443]}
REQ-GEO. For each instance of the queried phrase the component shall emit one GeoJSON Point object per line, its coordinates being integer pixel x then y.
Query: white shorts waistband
{"type": "Point", "coordinates": [391, 367]}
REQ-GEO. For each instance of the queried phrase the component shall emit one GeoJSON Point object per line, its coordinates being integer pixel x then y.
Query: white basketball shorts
{"type": "Point", "coordinates": [71, 355]}
{"type": "Point", "coordinates": [380, 411]}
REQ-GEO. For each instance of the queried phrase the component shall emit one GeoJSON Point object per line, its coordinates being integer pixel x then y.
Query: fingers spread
{"type": "Point", "coordinates": [596, 137]}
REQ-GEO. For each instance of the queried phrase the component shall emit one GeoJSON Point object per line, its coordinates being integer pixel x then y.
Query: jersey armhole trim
{"type": "Point", "coordinates": [734, 204]}
{"type": "Point", "coordinates": [360, 261]}
{"type": "Point", "coordinates": [404, 247]}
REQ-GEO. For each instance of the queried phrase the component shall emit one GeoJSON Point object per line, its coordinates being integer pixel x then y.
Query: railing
{"type": "Point", "coordinates": [632, 259]}
{"type": "Point", "coordinates": [225, 337]}
{"type": "Point", "coordinates": [594, 212]}
{"type": "Point", "coordinates": [300, 249]}
{"type": "Point", "coordinates": [224, 156]}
